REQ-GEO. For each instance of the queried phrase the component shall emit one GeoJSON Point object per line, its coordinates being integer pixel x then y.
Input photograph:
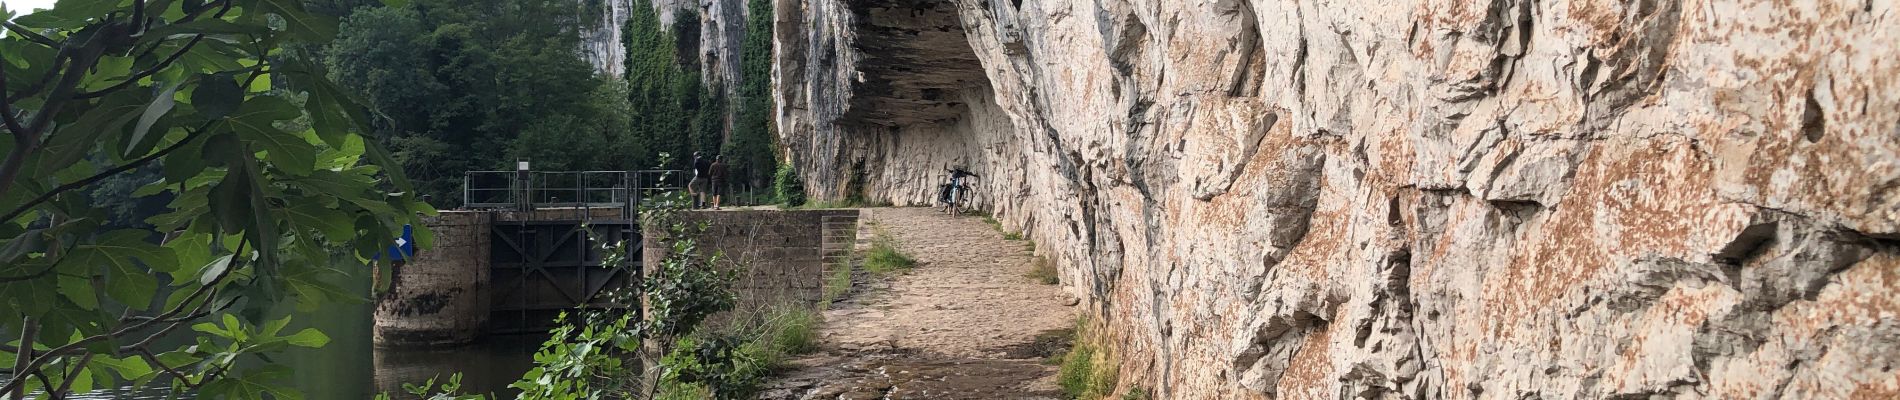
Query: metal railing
{"type": "Point", "coordinates": [527, 190]}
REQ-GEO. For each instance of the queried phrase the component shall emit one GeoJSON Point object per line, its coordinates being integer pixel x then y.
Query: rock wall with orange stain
{"type": "Point", "coordinates": [1412, 199]}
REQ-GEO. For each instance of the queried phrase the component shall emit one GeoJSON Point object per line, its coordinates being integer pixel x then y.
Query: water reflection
{"type": "Point", "coordinates": [487, 366]}
{"type": "Point", "coordinates": [352, 368]}
{"type": "Point", "coordinates": [129, 393]}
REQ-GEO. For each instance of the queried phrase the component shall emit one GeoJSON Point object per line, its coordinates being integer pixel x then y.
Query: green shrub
{"type": "Point", "coordinates": [739, 356]}
{"type": "Point", "coordinates": [1087, 372]}
{"type": "Point", "coordinates": [1103, 380]}
{"type": "Point", "coordinates": [1075, 375]}
{"type": "Point", "coordinates": [785, 183]}
{"type": "Point", "coordinates": [792, 331]}
{"type": "Point", "coordinates": [716, 360]}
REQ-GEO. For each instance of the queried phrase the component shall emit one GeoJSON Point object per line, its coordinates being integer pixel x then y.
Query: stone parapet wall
{"type": "Point", "coordinates": [780, 253]}
{"type": "Point", "coordinates": [442, 295]}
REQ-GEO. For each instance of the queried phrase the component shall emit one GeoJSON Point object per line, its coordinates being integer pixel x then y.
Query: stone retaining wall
{"type": "Point", "coordinates": [781, 252]}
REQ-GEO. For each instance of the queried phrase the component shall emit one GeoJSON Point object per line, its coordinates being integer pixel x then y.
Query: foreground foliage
{"type": "Point", "coordinates": [271, 190]}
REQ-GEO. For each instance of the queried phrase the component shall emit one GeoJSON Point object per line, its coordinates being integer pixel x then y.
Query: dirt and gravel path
{"type": "Point", "coordinates": [963, 324]}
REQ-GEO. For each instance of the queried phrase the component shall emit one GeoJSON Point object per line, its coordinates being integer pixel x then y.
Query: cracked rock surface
{"type": "Point", "coordinates": [1406, 199]}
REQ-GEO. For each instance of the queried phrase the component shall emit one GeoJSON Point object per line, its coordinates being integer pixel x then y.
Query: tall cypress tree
{"type": "Point", "coordinates": [675, 113]}
{"type": "Point", "coordinates": [751, 147]}
{"type": "Point", "coordinates": [652, 81]}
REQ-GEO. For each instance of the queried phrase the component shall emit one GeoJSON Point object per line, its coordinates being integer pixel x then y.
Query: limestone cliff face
{"type": "Point", "coordinates": [1411, 199]}
{"type": "Point", "coordinates": [718, 31]}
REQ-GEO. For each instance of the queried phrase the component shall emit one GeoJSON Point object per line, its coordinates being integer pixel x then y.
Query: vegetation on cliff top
{"type": "Point", "coordinates": [455, 86]}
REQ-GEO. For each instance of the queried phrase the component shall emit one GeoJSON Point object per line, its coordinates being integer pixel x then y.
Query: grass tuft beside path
{"type": "Point", "coordinates": [884, 257]}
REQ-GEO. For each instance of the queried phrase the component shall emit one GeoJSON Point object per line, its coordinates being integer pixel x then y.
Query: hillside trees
{"type": "Point", "coordinates": [457, 86]}
{"type": "Point", "coordinates": [263, 161]}
{"type": "Point", "coordinates": [473, 85]}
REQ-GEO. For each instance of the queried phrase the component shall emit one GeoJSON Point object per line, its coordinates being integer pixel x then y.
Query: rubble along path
{"type": "Point", "coordinates": [965, 323]}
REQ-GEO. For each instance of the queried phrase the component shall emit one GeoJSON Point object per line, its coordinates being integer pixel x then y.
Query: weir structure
{"type": "Point", "coordinates": [528, 246]}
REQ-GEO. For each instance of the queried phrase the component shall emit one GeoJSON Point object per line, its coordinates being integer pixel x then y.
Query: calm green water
{"type": "Point", "coordinates": [488, 366]}
{"type": "Point", "coordinates": [350, 367]}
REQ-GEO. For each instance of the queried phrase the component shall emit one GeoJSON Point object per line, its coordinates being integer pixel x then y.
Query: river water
{"type": "Point", "coordinates": [350, 367]}
{"type": "Point", "coordinates": [487, 366]}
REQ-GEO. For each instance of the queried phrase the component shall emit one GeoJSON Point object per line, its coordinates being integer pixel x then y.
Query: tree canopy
{"type": "Point", "coordinates": [458, 85]}
{"type": "Point", "coordinates": [179, 167]}
{"type": "Point", "coordinates": [262, 159]}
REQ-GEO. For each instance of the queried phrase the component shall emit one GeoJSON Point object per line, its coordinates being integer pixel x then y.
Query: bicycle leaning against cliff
{"type": "Point", "coordinates": [951, 193]}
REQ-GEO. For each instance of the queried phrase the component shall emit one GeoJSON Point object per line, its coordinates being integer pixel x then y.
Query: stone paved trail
{"type": "Point", "coordinates": [964, 324]}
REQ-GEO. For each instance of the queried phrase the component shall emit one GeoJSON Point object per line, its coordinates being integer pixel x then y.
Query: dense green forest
{"type": "Point", "coordinates": [456, 86]}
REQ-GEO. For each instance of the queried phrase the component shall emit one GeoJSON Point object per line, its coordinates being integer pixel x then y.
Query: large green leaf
{"type": "Point", "coordinates": [128, 262]}
{"type": "Point", "coordinates": [30, 241]}
{"type": "Point", "coordinates": [194, 252]}
{"type": "Point", "coordinates": [216, 96]}
{"type": "Point", "coordinates": [73, 142]}
{"type": "Point", "coordinates": [262, 229]}
{"type": "Point", "coordinates": [130, 368]}
{"type": "Point", "coordinates": [229, 198]}
{"type": "Point", "coordinates": [253, 384]}
{"type": "Point", "coordinates": [381, 157]}
{"type": "Point", "coordinates": [308, 337]}
{"type": "Point", "coordinates": [26, 59]}
{"type": "Point", "coordinates": [208, 26]}
{"type": "Point", "coordinates": [312, 291]}
{"type": "Point", "coordinates": [66, 322]}
{"type": "Point", "coordinates": [309, 27]}
{"type": "Point", "coordinates": [254, 122]}
{"type": "Point", "coordinates": [26, 297]}
{"type": "Point", "coordinates": [106, 72]}
{"type": "Point", "coordinates": [330, 109]}
{"type": "Point", "coordinates": [332, 224]}
{"type": "Point", "coordinates": [212, 270]}
{"type": "Point", "coordinates": [189, 160]}
{"type": "Point", "coordinates": [338, 158]}
{"type": "Point", "coordinates": [80, 291]}
{"type": "Point", "coordinates": [162, 103]}
{"type": "Point", "coordinates": [208, 56]}
{"type": "Point", "coordinates": [68, 14]}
